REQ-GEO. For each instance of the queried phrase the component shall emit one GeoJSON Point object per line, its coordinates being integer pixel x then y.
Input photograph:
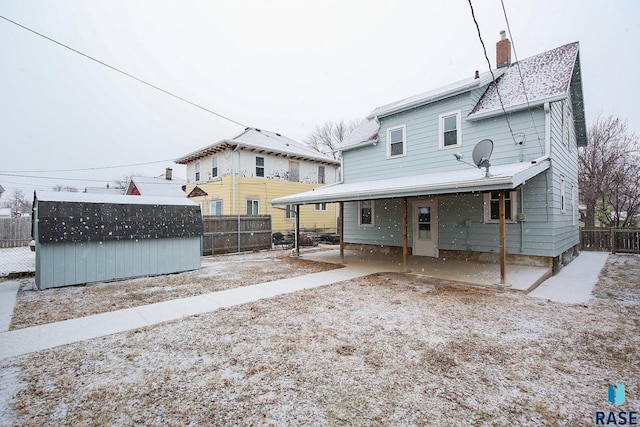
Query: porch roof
{"type": "Point", "coordinates": [502, 177]}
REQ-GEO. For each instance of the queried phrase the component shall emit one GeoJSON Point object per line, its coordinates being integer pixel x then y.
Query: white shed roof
{"type": "Point", "coordinates": [64, 196]}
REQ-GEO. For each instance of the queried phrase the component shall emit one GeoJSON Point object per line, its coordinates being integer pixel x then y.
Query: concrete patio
{"type": "Point", "coordinates": [518, 277]}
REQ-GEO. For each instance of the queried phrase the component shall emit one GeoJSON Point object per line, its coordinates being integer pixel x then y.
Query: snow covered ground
{"type": "Point", "coordinates": [386, 349]}
{"type": "Point", "coordinates": [17, 260]}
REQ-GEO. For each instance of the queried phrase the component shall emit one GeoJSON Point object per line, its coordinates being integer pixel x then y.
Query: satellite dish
{"type": "Point", "coordinates": [481, 154]}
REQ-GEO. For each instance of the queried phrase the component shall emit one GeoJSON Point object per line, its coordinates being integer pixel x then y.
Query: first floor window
{"type": "Point", "coordinates": [320, 206]}
{"type": "Point", "coordinates": [215, 207]}
{"type": "Point", "coordinates": [197, 171]}
{"type": "Point", "coordinates": [260, 167]}
{"type": "Point", "coordinates": [492, 206]}
{"type": "Point", "coordinates": [290, 212]}
{"type": "Point", "coordinates": [253, 207]}
{"type": "Point", "coordinates": [365, 213]}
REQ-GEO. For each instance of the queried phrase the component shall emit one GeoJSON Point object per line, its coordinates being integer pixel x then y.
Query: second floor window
{"type": "Point", "coordinates": [320, 174]}
{"type": "Point", "coordinates": [214, 167]}
{"type": "Point", "coordinates": [396, 142]}
{"type": "Point", "coordinates": [260, 167]}
{"type": "Point", "coordinates": [449, 133]}
{"type": "Point", "coordinates": [197, 171]}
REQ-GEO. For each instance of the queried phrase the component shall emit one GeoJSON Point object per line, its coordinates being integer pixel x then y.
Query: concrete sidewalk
{"type": "Point", "coordinates": [575, 282]}
{"type": "Point", "coordinates": [43, 337]}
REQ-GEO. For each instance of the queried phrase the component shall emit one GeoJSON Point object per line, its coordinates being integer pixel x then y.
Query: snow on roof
{"type": "Point", "coordinates": [505, 177]}
{"type": "Point", "coordinates": [162, 187]}
{"type": "Point", "coordinates": [365, 133]}
{"type": "Point", "coordinates": [546, 76]}
{"type": "Point", "coordinates": [64, 196]}
{"type": "Point", "coordinates": [261, 140]}
{"type": "Point", "coordinates": [435, 94]}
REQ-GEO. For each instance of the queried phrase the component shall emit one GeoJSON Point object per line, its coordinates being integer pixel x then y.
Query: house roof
{"type": "Point", "coordinates": [159, 186]}
{"type": "Point", "coordinates": [364, 134]}
{"type": "Point", "coordinates": [502, 177]}
{"type": "Point", "coordinates": [545, 77]}
{"type": "Point", "coordinates": [262, 141]}
{"type": "Point", "coordinates": [447, 91]}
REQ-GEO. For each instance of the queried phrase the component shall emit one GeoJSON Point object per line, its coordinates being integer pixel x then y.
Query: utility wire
{"type": "Point", "coordinates": [123, 72]}
{"type": "Point", "coordinates": [493, 77]}
{"type": "Point", "coordinates": [88, 169]}
{"type": "Point", "coordinates": [524, 89]}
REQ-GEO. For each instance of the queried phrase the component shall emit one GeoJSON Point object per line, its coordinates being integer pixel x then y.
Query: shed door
{"type": "Point", "coordinates": [425, 228]}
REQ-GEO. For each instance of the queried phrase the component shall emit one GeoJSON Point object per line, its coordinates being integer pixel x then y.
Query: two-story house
{"type": "Point", "coordinates": [241, 175]}
{"type": "Point", "coordinates": [409, 181]}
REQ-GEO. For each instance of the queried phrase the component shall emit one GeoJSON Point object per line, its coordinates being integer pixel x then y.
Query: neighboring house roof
{"type": "Point", "coordinates": [162, 187]}
{"type": "Point", "coordinates": [262, 141]}
{"type": "Point", "coordinates": [197, 192]}
{"type": "Point", "coordinates": [507, 176]}
{"type": "Point", "coordinates": [1, 190]}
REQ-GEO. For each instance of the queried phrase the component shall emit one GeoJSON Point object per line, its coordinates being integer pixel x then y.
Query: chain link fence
{"type": "Point", "coordinates": [16, 257]}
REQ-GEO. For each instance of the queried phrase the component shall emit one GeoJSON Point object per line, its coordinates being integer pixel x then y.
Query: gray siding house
{"type": "Point", "coordinates": [409, 182]}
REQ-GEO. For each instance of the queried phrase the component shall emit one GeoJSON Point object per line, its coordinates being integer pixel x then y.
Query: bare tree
{"type": "Point", "coordinates": [123, 181]}
{"type": "Point", "coordinates": [608, 174]}
{"type": "Point", "coordinates": [326, 138]}
{"type": "Point", "coordinates": [67, 188]}
{"type": "Point", "coordinates": [19, 204]}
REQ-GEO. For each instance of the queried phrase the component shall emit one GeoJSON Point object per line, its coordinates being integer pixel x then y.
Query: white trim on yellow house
{"type": "Point", "coordinates": [265, 190]}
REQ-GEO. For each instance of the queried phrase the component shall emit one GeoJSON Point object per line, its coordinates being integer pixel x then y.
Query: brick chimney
{"type": "Point", "coordinates": [168, 174]}
{"type": "Point", "coordinates": [503, 51]}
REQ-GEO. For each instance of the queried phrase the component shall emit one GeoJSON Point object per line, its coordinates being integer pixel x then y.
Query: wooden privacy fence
{"type": "Point", "coordinates": [235, 233]}
{"type": "Point", "coordinates": [15, 232]}
{"type": "Point", "coordinates": [614, 240]}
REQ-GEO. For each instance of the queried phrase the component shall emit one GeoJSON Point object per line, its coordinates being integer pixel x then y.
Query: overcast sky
{"type": "Point", "coordinates": [285, 66]}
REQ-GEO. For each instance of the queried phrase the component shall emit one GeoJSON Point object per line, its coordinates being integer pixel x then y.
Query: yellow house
{"type": "Point", "coordinates": [240, 176]}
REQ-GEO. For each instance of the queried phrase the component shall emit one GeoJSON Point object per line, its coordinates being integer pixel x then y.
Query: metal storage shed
{"type": "Point", "coordinates": [83, 237]}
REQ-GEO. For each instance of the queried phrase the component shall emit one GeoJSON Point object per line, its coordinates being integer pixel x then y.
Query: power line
{"type": "Point", "coordinates": [524, 89]}
{"type": "Point", "coordinates": [52, 177]}
{"type": "Point", "coordinates": [124, 72]}
{"type": "Point", "coordinates": [493, 77]}
{"type": "Point", "coordinates": [88, 169]}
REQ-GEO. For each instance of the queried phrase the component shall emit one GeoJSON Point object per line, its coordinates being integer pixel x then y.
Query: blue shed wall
{"type": "Point", "coordinates": [72, 263]}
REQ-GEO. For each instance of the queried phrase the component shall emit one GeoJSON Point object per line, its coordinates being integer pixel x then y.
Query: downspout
{"type": "Point", "coordinates": [233, 183]}
{"type": "Point", "coordinates": [547, 135]}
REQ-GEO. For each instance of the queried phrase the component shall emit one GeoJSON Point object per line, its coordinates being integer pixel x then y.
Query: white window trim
{"type": "Point", "coordinates": [404, 141]}
{"type": "Point", "coordinates": [253, 200]}
{"type": "Point", "coordinates": [290, 212]}
{"type": "Point", "coordinates": [322, 208]}
{"type": "Point", "coordinates": [214, 165]}
{"type": "Point", "coordinates": [197, 172]}
{"type": "Point", "coordinates": [487, 209]}
{"type": "Point", "coordinates": [264, 170]}
{"type": "Point", "coordinates": [214, 202]}
{"type": "Point", "coordinates": [373, 214]}
{"type": "Point", "coordinates": [441, 117]}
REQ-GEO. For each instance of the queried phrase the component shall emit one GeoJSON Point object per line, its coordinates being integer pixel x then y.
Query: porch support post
{"type": "Point", "coordinates": [405, 234]}
{"type": "Point", "coordinates": [341, 231]}
{"type": "Point", "coordinates": [297, 237]}
{"type": "Point", "coordinates": [503, 240]}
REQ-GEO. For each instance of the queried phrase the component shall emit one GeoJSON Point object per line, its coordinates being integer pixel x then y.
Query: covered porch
{"type": "Point", "coordinates": [522, 278]}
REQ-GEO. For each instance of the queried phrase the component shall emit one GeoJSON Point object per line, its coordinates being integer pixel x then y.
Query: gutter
{"type": "Point", "coordinates": [547, 135]}
{"type": "Point", "coordinates": [513, 108]}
